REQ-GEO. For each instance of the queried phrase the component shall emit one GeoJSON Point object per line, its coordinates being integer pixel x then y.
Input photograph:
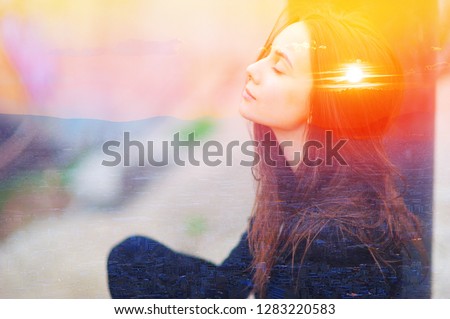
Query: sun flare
{"type": "Point", "coordinates": [354, 74]}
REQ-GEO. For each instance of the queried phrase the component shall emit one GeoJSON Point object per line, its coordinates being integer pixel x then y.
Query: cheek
{"type": "Point", "coordinates": [294, 107]}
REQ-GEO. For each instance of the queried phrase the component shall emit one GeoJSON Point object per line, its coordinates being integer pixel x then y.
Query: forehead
{"type": "Point", "coordinates": [294, 37]}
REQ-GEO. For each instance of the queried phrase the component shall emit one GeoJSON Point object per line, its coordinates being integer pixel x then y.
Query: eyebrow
{"type": "Point", "coordinates": [283, 55]}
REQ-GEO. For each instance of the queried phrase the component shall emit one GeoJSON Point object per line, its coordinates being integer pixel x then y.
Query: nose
{"type": "Point", "coordinates": [253, 72]}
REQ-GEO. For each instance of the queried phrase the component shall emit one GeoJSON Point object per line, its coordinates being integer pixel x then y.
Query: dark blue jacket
{"type": "Point", "coordinates": [140, 267]}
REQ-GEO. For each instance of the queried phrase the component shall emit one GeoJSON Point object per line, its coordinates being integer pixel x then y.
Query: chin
{"type": "Point", "coordinates": [247, 112]}
{"type": "Point", "coordinates": [244, 112]}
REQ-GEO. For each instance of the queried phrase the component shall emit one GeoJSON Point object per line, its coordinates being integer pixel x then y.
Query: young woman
{"type": "Point", "coordinates": [329, 220]}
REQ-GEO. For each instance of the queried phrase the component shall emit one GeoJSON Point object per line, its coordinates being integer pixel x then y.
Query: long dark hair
{"type": "Point", "coordinates": [360, 198]}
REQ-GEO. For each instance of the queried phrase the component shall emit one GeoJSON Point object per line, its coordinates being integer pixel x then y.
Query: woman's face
{"type": "Point", "coordinates": [277, 91]}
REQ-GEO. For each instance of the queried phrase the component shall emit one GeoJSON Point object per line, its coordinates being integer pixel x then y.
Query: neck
{"type": "Point", "coordinates": [291, 143]}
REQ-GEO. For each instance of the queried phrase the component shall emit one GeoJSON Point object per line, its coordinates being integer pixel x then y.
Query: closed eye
{"type": "Point", "coordinates": [277, 71]}
{"type": "Point", "coordinates": [279, 67]}
{"type": "Point", "coordinates": [284, 57]}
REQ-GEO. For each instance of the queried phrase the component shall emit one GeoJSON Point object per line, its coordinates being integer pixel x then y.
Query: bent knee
{"type": "Point", "coordinates": [133, 248]}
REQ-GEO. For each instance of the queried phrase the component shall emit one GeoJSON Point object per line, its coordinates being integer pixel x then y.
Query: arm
{"type": "Point", "coordinates": [140, 267]}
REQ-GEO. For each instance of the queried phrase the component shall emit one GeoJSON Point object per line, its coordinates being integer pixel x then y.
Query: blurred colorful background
{"type": "Point", "coordinates": [75, 74]}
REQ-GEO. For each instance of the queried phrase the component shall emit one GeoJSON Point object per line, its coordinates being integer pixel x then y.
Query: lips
{"type": "Point", "coordinates": [247, 95]}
